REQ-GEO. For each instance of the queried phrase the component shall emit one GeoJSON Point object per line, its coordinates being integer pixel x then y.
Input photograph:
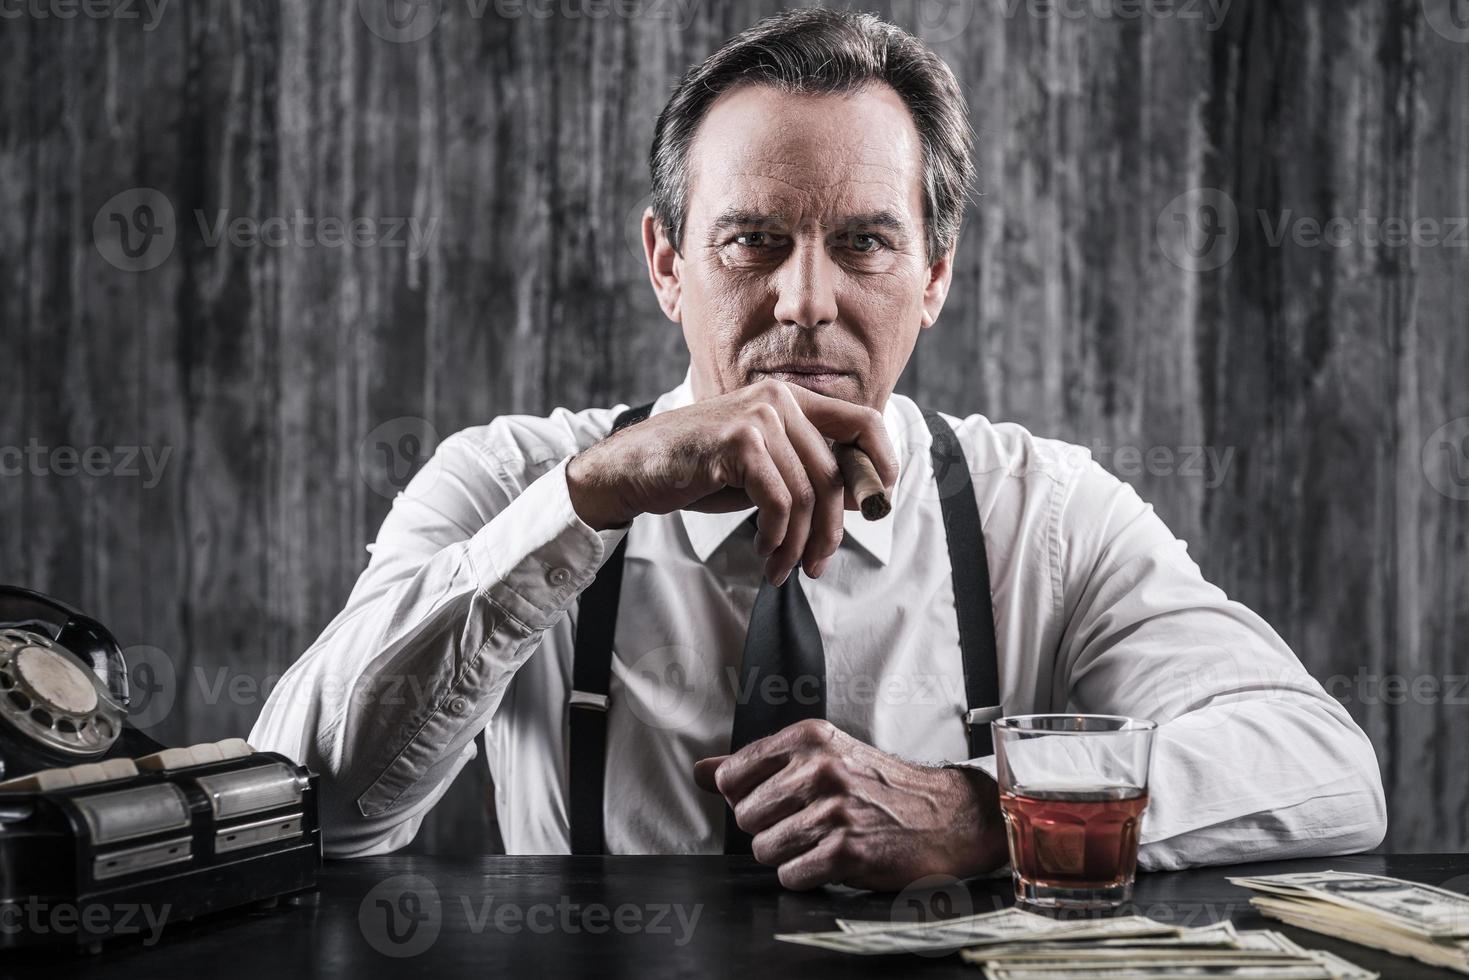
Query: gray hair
{"type": "Point", "coordinates": [817, 50]}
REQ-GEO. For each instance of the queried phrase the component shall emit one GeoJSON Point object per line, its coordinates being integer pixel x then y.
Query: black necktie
{"type": "Point", "coordinates": [782, 676]}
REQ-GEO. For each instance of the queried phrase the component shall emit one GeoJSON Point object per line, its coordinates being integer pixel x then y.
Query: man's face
{"type": "Point", "coordinates": [803, 255]}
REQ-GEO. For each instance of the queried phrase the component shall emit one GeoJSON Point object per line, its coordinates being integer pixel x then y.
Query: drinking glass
{"type": "Point", "coordinates": [1072, 791]}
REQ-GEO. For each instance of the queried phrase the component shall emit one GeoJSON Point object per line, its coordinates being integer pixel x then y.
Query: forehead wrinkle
{"type": "Point", "coordinates": [828, 210]}
{"type": "Point", "coordinates": [850, 168]}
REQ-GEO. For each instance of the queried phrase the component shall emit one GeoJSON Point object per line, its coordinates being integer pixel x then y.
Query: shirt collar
{"type": "Point", "coordinates": [708, 531]}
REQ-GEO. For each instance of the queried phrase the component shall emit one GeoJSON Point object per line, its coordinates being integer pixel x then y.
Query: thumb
{"type": "Point", "coordinates": [704, 771]}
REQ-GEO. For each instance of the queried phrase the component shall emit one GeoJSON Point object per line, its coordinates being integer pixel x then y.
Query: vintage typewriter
{"type": "Point", "coordinates": [102, 829]}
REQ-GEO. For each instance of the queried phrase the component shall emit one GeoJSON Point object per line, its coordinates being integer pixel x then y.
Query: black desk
{"type": "Point", "coordinates": [612, 917]}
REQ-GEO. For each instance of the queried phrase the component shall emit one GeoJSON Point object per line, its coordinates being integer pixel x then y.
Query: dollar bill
{"type": "Point", "coordinates": [975, 930]}
{"type": "Point", "coordinates": [1220, 934]}
{"type": "Point", "coordinates": [1421, 909]}
{"type": "Point", "coordinates": [1256, 954]}
{"type": "Point", "coordinates": [1013, 944]}
{"type": "Point", "coordinates": [1183, 971]}
{"type": "Point", "coordinates": [1317, 917]}
{"type": "Point", "coordinates": [1402, 917]}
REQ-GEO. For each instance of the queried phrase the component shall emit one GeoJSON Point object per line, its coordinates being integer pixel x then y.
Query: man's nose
{"type": "Point", "coordinates": [807, 288]}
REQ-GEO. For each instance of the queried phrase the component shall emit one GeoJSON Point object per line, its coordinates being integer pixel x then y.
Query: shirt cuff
{"type": "Point", "coordinates": [537, 554]}
{"type": "Point", "coordinates": [983, 763]}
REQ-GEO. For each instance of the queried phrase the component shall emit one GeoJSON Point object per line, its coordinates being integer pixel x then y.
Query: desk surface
{"type": "Point", "coordinates": [647, 917]}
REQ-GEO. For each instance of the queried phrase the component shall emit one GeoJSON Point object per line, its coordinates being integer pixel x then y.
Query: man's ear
{"type": "Point", "coordinates": [663, 267]}
{"type": "Point", "coordinates": [940, 274]}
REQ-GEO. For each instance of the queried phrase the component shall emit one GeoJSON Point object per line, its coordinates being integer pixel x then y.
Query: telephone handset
{"type": "Point", "coordinates": [63, 688]}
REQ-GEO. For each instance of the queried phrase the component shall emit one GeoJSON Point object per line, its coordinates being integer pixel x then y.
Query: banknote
{"type": "Point", "coordinates": [1255, 954]}
{"type": "Point", "coordinates": [1423, 909]}
{"type": "Point", "coordinates": [1015, 944]}
{"type": "Point", "coordinates": [1402, 917]}
{"type": "Point", "coordinates": [974, 930]}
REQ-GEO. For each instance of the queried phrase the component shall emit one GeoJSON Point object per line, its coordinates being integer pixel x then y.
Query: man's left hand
{"type": "Point", "coordinates": [826, 808]}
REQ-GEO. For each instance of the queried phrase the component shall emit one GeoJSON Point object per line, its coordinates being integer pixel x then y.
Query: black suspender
{"type": "Point", "coordinates": [969, 563]}
{"type": "Point", "coordinates": [591, 674]}
{"type": "Point", "coordinates": [597, 623]}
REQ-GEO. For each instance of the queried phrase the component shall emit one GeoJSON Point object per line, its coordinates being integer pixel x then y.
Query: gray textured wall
{"type": "Point", "coordinates": [228, 397]}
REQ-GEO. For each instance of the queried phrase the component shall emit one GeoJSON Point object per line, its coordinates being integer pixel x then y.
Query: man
{"type": "Point", "coordinates": [653, 673]}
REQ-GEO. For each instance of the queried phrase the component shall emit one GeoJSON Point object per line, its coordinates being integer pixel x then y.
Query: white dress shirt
{"type": "Point", "coordinates": [464, 621]}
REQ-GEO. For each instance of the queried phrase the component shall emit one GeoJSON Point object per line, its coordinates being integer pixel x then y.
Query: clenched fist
{"type": "Point", "coordinates": [824, 807]}
{"type": "Point", "coordinates": [766, 445]}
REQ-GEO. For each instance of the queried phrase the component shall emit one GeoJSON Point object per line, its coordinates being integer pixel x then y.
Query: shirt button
{"type": "Point", "coordinates": [458, 705]}
{"type": "Point", "coordinates": [558, 576]}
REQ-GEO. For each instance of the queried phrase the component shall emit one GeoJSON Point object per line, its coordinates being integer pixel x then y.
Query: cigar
{"type": "Point", "coordinates": [861, 478]}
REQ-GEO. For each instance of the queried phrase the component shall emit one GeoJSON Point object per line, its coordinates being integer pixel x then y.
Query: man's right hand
{"type": "Point", "coordinates": [765, 445]}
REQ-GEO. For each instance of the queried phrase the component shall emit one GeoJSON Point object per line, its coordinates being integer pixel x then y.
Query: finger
{"type": "Point", "coordinates": [704, 772]}
{"type": "Point", "coordinates": [825, 478]}
{"type": "Point", "coordinates": [843, 421]}
{"type": "Point", "coordinates": [764, 757]}
{"type": "Point", "coordinates": [798, 833]}
{"type": "Point", "coordinates": [788, 792]}
{"type": "Point", "coordinates": [724, 501]}
{"type": "Point", "coordinates": [801, 494]}
{"type": "Point", "coordinates": [741, 772]}
{"type": "Point", "coordinates": [757, 474]}
{"type": "Point", "coordinates": [826, 863]}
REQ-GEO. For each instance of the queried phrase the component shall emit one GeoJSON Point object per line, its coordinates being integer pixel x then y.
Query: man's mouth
{"type": "Point", "coordinates": [823, 378]}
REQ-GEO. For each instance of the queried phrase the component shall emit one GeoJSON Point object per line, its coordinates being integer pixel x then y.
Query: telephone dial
{"type": "Point", "coordinates": [95, 814]}
{"type": "Point", "coordinates": [63, 688]}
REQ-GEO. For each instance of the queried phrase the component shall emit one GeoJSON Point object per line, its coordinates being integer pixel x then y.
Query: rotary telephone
{"type": "Point", "coordinates": [98, 817]}
{"type": "Point", "coordinates": [63, 688]}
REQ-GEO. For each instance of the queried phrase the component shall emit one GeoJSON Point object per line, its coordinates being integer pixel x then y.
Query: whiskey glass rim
{"type": "Point", "coordinates": [1127, 724]}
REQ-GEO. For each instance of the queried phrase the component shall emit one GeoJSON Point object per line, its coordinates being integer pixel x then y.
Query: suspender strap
{"type": "Point", "coordinates": [590, 679]}
{"type": "Point", "coordinates": [970, 564]}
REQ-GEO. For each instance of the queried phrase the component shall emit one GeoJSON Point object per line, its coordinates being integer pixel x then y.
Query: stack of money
{"type": "Point", "coordinates": [1013, 944]}
{"type": "Point", "coordinates": [1403, 917]}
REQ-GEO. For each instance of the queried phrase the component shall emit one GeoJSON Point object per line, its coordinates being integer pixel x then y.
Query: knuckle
{"type": "Point", "coordinates": [767, 413]}
{"type": "Point", "coordinates": [809, 731]}
{"type": "Point", "coordinates": [723, 779]}
{"type": "Point", "coordinates": [747, 435]}
{"type": "Point", "coordinates": [766, 389]}
{"type": "Point", "coordinates": [803, 497]}
{"type": "Point", "coordinates": [743, 812]}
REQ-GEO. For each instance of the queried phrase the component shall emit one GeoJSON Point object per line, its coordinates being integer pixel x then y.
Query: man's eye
{"type": "Point", "coordinates": [758, 239]}
{"type": "Point", "coordinates": [865, 243]}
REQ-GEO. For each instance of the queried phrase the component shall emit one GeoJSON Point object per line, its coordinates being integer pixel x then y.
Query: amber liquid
{"type": "Point", "coordinates": [1074, 838]}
